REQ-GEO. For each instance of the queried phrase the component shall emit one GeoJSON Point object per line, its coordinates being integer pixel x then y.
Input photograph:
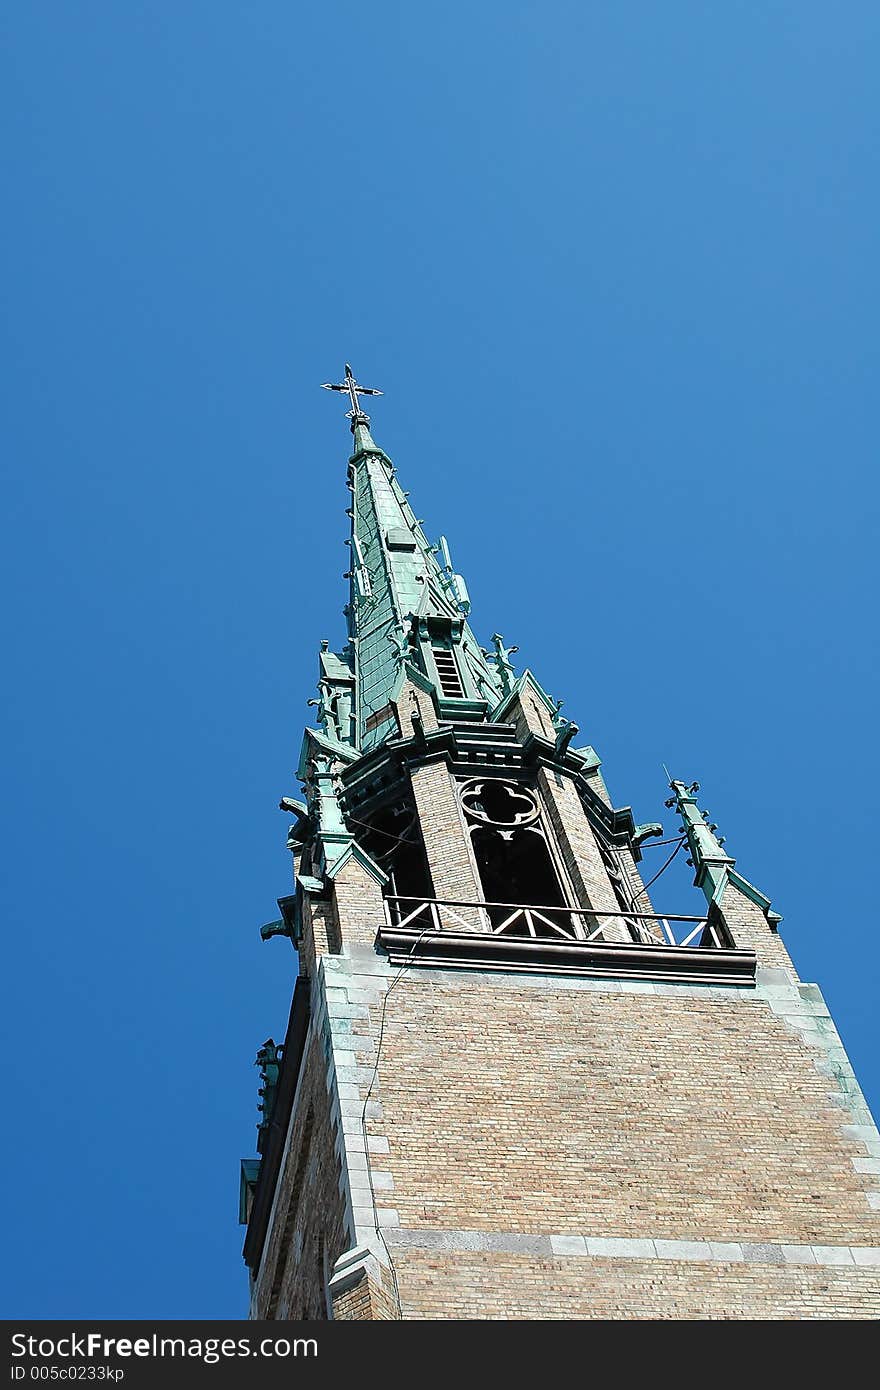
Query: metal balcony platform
{"type": "Point", "coordinates": [562, 941]}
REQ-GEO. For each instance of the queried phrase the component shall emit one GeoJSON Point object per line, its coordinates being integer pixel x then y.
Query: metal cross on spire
{"type": "Point", "coordinates": [355, 415]}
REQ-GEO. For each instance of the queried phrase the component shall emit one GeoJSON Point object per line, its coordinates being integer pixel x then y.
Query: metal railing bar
{"type": "Point", "coordinates": [570, 923]}
{"type": "Point", "coordinates": [458, 917]}
{"type": "Point", "coordinates": [415, 913]}
{"type": "Point", "coordinates": [697, 931]}
{"type": "Point", "coordinates": [507, 921]}
{"type": "Point", "coordinates": [549, 907]}
{"type": "Point", "coordinates": [554, 926]}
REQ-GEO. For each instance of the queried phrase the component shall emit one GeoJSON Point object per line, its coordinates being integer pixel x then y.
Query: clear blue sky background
{"type": "Point", "coordinates": [616, 269]}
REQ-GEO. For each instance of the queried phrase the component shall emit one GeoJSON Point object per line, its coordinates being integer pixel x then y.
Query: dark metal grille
{"type": "Point", "coordinates": [450, 681]}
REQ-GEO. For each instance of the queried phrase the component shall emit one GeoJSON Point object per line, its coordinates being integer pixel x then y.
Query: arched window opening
{"type": "Point", "coordinates": [513, 857]}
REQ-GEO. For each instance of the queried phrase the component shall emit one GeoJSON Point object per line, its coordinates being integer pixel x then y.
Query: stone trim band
{"type": "Point", "coordinates": [556, 1246]}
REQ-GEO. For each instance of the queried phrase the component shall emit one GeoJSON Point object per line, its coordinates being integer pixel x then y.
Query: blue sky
{"type": "Point", "coordinates": [615, 267]}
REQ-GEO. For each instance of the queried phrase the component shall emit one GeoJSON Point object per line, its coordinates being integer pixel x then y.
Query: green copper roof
{"type": "Point", "coordinates": [396, 580]}
{"type": "Point", "coordinates": [408, 623]}
{"type": "Point", "coordinates": [408, 617]}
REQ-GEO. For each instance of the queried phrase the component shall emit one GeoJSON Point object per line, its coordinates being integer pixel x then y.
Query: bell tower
{"type": "Point", "coordinates": [508, 1087]}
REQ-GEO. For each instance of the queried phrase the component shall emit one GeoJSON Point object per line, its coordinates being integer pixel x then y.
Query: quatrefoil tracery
{"type": "Point", "coordinates": [505, 806]}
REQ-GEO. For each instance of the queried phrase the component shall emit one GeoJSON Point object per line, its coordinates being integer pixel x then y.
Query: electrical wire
{"type": "Point", "coordinates": [648, 844]}
{"type": "Point", "coordinates": [682, 841]}
{"type": "Point", "coordinates": [389, 835]}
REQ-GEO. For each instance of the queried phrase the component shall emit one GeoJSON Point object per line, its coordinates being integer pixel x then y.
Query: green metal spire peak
{"type": "Point", "coordinates": [364, 442]}
{"type": "Point", "coordinates": [407, 609]}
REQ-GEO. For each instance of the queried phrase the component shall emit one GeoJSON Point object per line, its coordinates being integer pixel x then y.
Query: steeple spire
{"type": "Point", "coordinates": [407, 610]}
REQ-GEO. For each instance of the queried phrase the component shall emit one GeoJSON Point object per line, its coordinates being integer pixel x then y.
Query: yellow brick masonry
{"type": "Point", "coordinates": [630, 871]}
{"type": "Point", "coordinates": [413, 701]}
{"type": "Point", "coordinates": [321, 933]}
{"type": "Point", "coordinates": [580, 852]}
{"type": "Point", "coordinates": [480, 1285]}
{"type": "Point", "coordinates": [358, 902]}
{"type": "Point", "coordinates": [749, 927]}
{"type": "Point", "coordinates": [596, 781]}
{"type": "Point", "coordinates": [453, 872]}
{"type": "Point", "coordinates": [563, 1109]}
{"type": "Point", "coordinates": [620, 1114]}
{"type": "Point", "coordinates": [367, 1300]}
{"type": "Point", "coordinates": [530, 715]}
{"type": "Point", "coordinates": [307, 1232]}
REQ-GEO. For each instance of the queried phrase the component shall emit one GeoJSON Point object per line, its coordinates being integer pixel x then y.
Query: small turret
{"type": "Point", "coordinates": [269, 1062]}
{"type": "Point", "coordinates": [713, 867]}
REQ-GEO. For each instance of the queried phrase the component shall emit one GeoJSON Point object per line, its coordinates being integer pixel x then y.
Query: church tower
{"type": "Point", "coordinates": [509, 1088]}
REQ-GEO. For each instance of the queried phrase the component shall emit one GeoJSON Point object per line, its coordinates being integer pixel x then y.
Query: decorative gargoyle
{"type": "Point", "coordinates": [276, 928]}
{"type": "Point", "coordinates": [565, 728]}
{"type": "Point", "coordinates": [302, 825]}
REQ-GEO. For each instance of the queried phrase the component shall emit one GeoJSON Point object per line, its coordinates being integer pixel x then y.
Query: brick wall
{"type": "Point", "coordinates": [577, 1148]}
{"type": "Point", "coordinates": [749, 927]}
{"type": "Point", "coordinates": [321, 931]}
{"type": "Point", "coordinates": [449, 858]}
{"type": "Point", "coordinates": [412, 701]}
{"type": "Point", "coordinates": [624, 1114]}
{"type": "Point", "coordinates": [630, 872]}
{"type": "Point", "coordinates": [480, 1285]}
{"type": "Point", "coordinates": [530, 715]}
{"type": "Point", "coordinates": [307, 1230]}
{"type": "Point", "coordinates": [580, 852]}
{"type": "Point", "coordinates": [359, 904]}
{"type": "Point", "coordinates": [367, 1300]}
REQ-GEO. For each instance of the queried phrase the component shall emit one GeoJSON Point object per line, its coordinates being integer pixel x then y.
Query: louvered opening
{"type": "Point", "coordinates": [450, 681]}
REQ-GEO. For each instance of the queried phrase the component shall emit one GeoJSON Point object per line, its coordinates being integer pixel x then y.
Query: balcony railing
{"type": "Point", "coordinates": [562, 940]}
{"type": "Point", "coordinates": [570, 923]}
